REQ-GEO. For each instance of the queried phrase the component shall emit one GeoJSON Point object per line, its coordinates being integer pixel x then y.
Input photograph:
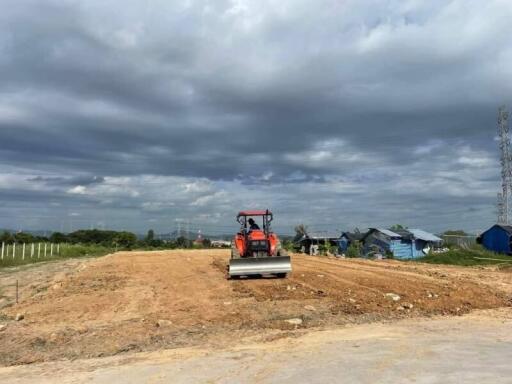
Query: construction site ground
{"type": "Point", "coordinates": [146, 301]}
{"type": "Point", "coordinates": [473, 348]}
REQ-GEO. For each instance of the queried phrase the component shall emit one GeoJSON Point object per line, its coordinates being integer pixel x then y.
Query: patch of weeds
{"type": "Point", "coordinates": [476, 255]}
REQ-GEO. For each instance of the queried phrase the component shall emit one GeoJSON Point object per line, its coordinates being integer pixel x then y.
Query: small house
{"type": "Point", "coordinates": [402, 244]}
{"type": "Point", "coordinates": [423, 242]}
{"type": "Point", "coordinates": [498, 239]}
{"type": "Point", "coordinates": [349, 238]}
{"type": "Point", "coordinates": [220, 243]}
{"type": "Point", "coordinates": [383, 241]}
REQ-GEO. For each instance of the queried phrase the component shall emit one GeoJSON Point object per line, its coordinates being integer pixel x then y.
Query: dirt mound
{"type": "Point", "coordinates": [149, 300]}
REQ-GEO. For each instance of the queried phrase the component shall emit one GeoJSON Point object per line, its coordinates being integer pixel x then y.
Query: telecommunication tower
{"type": "Point", "coordinates": [506, 166]}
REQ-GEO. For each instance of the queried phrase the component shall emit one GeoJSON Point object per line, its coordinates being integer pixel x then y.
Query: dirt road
{"type": "Point", "coordinates": [132, 302]}
{"type": "Point", "coordinates": [475, 348]}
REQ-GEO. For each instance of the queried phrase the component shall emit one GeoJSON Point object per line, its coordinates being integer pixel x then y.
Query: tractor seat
{"type": "Point", "coordinates": [257, 234]}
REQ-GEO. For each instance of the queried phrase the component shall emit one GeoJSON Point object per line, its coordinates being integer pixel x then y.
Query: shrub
{"type": "Point", "coordinates": [327, 248]}
{"type": "Point", "coordinates": [288, 245]}
{"type": "Point", "coordinates": [354, 250]}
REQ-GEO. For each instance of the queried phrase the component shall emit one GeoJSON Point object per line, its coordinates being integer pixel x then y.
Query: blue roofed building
{"type": "Point", "coordinates": [423, 242]}
{"type": "Point", "coordinates": [349, 238]}
{"type": "Point", "coordinates": [498, 239]}
{"type": "Point", "coordinates": [402, 244]}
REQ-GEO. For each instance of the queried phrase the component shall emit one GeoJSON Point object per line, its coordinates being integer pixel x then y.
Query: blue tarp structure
{"type": "Point", "coordinates": [497, 239]}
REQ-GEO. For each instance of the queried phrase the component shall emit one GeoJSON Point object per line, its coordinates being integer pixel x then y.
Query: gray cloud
{"type": "Point", "coordinates": [357, 113]}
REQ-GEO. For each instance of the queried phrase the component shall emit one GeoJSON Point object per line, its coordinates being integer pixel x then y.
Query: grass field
{"type": "Point", "coordinates": [475, 255]}
{"type": "Point", "coordinates": [66, 251]}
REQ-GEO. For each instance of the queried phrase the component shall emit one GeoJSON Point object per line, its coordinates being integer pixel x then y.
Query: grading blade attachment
{"type": "Point", "coordinates": [247, 266]}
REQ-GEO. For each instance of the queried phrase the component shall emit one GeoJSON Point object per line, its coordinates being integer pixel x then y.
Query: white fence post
{"type": "Point", "coordinates": [45, 249]}
{"type": "Point", "coordinates": [13, 250]}
{"type": "Point", "coordinates": [3, 246]}
{"type": "Point", "coordinates": [32, 251]}
{"type": "Point", "coordinates": [51, 249]}
{"type": "Point", "coordinates": [23, 257]}
{"type": "Point", "coordinates": [58, 249]}
{"type": "Point", "coordinates": [38, 250]}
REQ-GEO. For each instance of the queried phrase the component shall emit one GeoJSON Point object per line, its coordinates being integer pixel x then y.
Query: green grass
{"type": "Point", "coordinates": [476, 255]}
{"type": "Point", "coordinates": [67, 251]}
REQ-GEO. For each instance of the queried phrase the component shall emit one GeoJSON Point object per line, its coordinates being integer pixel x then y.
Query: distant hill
{"type": "Point", "coordinates": [43, 233]}
{"type": "Point", "coordinates": [190, 235]}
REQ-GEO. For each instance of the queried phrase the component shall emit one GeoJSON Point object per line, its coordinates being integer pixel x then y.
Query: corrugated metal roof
{"type": "Point", "coordinates": [406, 235]}
{"type": "Point", "coordinates": [354, 235]}
{"type": "Point", "coordinates": [422, 235]}
{"type": "Point", "coordinates": [387, 232]}
{"type": "Point", "coordinates": [322, 235]}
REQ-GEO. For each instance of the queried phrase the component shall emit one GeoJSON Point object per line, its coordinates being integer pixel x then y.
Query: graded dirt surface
{"type": "Point", "coordinates": [145, 301]}
{"type": "Point", "coordinates": [473, 348]}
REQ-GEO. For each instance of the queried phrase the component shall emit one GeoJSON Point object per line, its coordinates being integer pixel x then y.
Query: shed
{"type": "Point", "coordinates": [383, 240]}
{"type": "Point", "coordinates": [423, 242]}
{"type": "Point", "coordinates": [403, 244]}
{"type": "Point", "coordinates": [348, 238]}
{"type": "Point", "coordinates": [498, 239]}
{"type": "Point", "coordinates": [311, 241]}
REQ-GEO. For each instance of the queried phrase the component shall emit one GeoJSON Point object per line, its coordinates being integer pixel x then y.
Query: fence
{"type": "Point", "coordinates": [463, 241]}
{"type": "Point", "coordinates": [31, 250]}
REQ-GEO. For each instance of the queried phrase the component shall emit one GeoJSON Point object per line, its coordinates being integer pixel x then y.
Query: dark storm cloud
{"type": "Point", "coordinates": [359, 94]}
{"type": "Point", "coordinates": [71, 181]}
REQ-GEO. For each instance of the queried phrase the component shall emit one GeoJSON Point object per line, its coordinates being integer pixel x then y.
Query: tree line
{"type": "Point", "coordinates": [107, 238]}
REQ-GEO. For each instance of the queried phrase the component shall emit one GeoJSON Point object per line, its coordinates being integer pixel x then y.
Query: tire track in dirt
{"type": "Point", "coordinates": [377, 282]}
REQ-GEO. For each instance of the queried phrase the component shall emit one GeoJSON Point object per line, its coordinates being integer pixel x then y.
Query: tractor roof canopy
{"type": "Point", "coordinates": [255, 213]}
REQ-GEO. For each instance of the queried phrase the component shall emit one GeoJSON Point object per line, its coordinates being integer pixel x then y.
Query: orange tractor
{"type": "Point", "coordinates": [255, 250]}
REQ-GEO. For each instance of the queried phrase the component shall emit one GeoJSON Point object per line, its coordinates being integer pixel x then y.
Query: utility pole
{"type": "Point", "coordinates": [506, 166]}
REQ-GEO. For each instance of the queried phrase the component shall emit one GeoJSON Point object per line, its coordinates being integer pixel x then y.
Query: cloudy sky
{"type": "Point", "coordinates": [336, 114]}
